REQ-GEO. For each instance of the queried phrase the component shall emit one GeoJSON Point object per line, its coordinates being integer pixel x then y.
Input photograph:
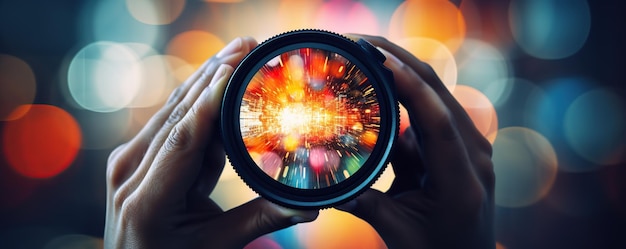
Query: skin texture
{"type": "Point", "coordinates": [159, 182]}
{"type": "Point", "coordinates": [442, 196]}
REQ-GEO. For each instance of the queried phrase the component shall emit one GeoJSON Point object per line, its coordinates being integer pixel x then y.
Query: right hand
{"type": "Point", "coordinates": [442, 195]}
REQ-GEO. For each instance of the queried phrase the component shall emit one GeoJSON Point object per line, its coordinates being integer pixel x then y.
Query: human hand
{"type": "Point", "coordinates": [442, 194]}
{"type": "Point", "coordinates": [158, 184]}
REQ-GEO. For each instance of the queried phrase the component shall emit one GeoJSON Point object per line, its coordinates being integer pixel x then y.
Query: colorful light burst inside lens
{"type": "Point", "coordinates": [309, 118]}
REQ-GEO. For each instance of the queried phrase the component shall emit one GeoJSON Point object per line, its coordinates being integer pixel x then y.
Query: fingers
{"type": "Point", "coordinates": [256, 218]}
{"type": "Point", "coordinates": [380, 211]}
{"type": "Point", "coordinates": [430, 77]}
{"type": "Point", "coordinates": [179, 160]}
{"type": "Point", "coordinates": [144, 147]}
{"type": "Point", "coordinates": [444, 151]}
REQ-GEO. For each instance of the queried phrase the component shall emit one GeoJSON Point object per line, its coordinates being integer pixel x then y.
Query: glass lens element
{"type": "Point", "coordinates": [309, 118]}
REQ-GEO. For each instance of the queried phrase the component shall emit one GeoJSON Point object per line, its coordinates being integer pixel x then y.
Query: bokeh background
{"type": "Point", "coordinates": [542, 80]}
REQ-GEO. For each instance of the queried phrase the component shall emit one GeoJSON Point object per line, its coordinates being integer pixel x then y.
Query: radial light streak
{"type": "Point", "coordinates": [313, 116]}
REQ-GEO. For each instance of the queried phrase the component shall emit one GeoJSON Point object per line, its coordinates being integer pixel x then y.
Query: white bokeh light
{"type": "Point", "coordinates": [104, 76]}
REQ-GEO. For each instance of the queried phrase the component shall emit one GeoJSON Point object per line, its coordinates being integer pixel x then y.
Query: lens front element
{"type": "Point", "coordinates": [309, 118]}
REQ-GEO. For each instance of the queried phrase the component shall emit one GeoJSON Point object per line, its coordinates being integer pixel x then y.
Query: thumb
{"type": "Point", "coordinates": [259, 217]}
{"type": "Point", "coordinates": [372, 206]}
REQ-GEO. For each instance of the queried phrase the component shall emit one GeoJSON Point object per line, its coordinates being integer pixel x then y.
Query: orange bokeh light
{"type": "Point", "coordinates": [337, 229]}
{"type": "Point", "coordinates": [43, 143]}
{"type": "Point", "coordinates": [194, 46]}
{"type": "Point", "coordinates": [436, 19]}
{"type": "Point", "coordinates": [437, 55]}
{"type": "Point", "coordinates": [479, 109]}
{"type": "Point", "coordinates": [17, 86]}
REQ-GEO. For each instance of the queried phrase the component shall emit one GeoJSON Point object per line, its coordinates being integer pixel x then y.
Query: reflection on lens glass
{"type": "Point", "coordinates": [309, 118]}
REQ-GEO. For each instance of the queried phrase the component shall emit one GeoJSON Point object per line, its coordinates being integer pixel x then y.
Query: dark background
{"type": "Point", "coordinates": [582, 209]}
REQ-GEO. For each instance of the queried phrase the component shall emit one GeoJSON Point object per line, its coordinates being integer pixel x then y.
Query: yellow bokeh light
{"type": "Point", "coordinates": [337, 229]}
{"type": "Point", "coordinates": [479, 109]}
{"type": "Point", "coordinates": [437, 55]}
{"type": "Point", "coordinates": [194, 46]}
{"type": "Point", "coordinates": [436, 19]}
{"type": "Point", "coordinates": [17, 87]}
{"type": "Point", "coordinates": [294, 15]}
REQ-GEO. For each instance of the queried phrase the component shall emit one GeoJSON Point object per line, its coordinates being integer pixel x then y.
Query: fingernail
{"type": "Point", "coordinates": [348, 206]}
{"type": "Point", "coordinates": [304, 216]}
{"type": "Point", "coordinates": [232, 47]}
{"type": "Point", "coordinates": [392, 61]}
{"type": "Point", "coordinates": [219, 73]}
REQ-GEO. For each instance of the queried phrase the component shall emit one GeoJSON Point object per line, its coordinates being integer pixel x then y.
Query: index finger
{"type": "Point", "coordinates": [429, 76]}
{"type": "Point", "coordinates": [445, 156]}
{"type": "Point", "coordinates": [179, 160]}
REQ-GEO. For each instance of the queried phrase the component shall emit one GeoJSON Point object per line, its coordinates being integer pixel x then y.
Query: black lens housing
{"type": "Point", "coordinates": [362, 54]}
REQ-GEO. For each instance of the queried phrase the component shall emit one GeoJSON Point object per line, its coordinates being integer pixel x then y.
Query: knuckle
{"type": "Point", "coordinates": [178, 139]}
{"type": "Point", "coordinates": [119, 198]}
{"type": "Point", "coordinates": [176, 115]}
{"type": "Point", "coordinates": [130, 211]}
{"type": "Point", "coordinates": [176, 95]}
{"type": "Point", "coordinates": [115, 166]}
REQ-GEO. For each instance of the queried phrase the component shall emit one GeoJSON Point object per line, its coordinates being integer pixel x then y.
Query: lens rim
{"type": "Point", "coordinates": [368, 60]}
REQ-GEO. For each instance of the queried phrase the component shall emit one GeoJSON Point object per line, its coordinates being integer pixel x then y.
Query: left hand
{"type": "Point", "coordinates": [158, 184]}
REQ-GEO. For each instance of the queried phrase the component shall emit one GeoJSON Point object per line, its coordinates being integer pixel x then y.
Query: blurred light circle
{"type": "Point", "coordinates": [338, 229]}
{"type": "Point", "coordinates": [594, 126]}
{"type": "Point", "coordinates": [103, 130]}
{"type": "Point", "coordinates": [258, 19]}
{"type": "Point", "coordinates": [437, 55]}
{"type": "Point", "coordinates": [440, 20]}
{"type": "Point", "coordinates": [479, 109]}
{"type": "Point", "coordinates": [287, 238]}
{"type": "Point", "coordinates": [43, 142]}
{"type": "Point", "coordinates": [525, 165]}
{"type": "Point", "coordinates": [482, 66]}
{"type": "Point", "coordinates": [156, 79]}
{"type": "Point", "coordinates": [223, 1]}
{"type": "Point", "coordinates": [194, 46]}
{"type": "Point", "coordinates": [294, 15]}
{"type": "Point", "coordinates": [515, 104]}
{"type": "Point", "coordinates": [547, 113]}
{"type": "Point", "coordinates": [111, 21]}
{"type": "Point", "coordinates": [75, 241]}
{"type": "Point", "coordinates": [341, 16]}
{"type": "Point", "coordinates": [157, 12]}
{"type": "Point", "coordinates": [142, 50]}
{"type": "Point", "coordinates": [263, 242]}
{"type": "Point", "coordinates": [17, 86]}
{"type": "Point", "coordinates": [179, 68]}
{"type": "Point", "coordinates": [104, 76]}
{"type": "Point", "coordinates": [550, 29]}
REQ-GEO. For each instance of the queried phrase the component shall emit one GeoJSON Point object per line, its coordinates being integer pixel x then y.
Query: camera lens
{"type": "Point", "coordinates": [309, 118]}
